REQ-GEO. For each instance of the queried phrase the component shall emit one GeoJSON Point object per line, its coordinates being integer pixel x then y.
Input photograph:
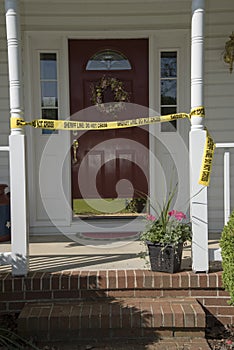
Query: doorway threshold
{"type": "Point", "coordinates": [108, 225]}
{"type": "Point", "coordinates": [129, 216]}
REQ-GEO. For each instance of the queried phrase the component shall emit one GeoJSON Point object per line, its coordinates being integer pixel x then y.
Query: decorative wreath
{"type": "Point", "coordinates": [120, 95]}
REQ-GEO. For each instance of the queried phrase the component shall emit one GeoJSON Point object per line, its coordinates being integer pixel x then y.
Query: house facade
{"type": "Point", "coordinates": [66, 49]}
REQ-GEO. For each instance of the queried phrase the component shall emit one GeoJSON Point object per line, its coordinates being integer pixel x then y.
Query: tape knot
{"type": "Point", "coordinates": [197, 112]}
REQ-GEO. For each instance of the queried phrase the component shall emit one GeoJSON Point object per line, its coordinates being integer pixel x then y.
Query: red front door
{"type": "Point", "coordinates": [110, 163]}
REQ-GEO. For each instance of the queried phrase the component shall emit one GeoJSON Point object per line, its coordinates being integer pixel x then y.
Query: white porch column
{"type": "Point", "coordinates": [19, 228]}
{"type": "Point", "coordinates": [198, 193]}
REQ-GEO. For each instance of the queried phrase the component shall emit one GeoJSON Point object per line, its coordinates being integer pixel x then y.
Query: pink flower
{"type": "Point", "coordinates": [150, 217]}
{"type": "Point", "coordinates": [229, 342]}
{"type": "Point", "coordinates": [179, 215]}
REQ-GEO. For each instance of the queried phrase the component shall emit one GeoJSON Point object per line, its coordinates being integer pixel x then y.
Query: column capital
{"type": "Point", "coordinates": [14, 60]}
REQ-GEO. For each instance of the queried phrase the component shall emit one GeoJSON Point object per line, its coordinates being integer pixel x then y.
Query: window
{"type": "Point", "coordinates": [168, 88]}
{"type": "Point", "coordinates": [108, 60]}
{"type": "Point", "coordinates": [49, 88]}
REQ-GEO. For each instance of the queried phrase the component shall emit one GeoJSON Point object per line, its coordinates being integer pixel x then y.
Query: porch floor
{"type": "Point", "coordinates": [52, 253]}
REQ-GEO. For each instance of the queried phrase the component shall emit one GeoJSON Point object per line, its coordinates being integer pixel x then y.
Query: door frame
{"type": "Point", "coordinates": [158, 39]}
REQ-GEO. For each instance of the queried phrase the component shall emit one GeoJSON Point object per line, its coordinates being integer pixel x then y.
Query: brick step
{"type": "Point", "coordinates": [113, 319]}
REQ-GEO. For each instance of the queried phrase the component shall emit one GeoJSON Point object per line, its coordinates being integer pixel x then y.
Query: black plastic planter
{"type": "Point", "coordinates": [165, 257]}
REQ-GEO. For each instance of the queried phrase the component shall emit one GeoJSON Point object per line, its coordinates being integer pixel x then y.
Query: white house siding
{"type": "Point", "coordinates": [219, 97]}
{"type": "Point", "coordinates": [4, 99]}
{"type": "Point", "coordinates": [77, 17]}
{"type": "Point", "coordinates": [105, 15]}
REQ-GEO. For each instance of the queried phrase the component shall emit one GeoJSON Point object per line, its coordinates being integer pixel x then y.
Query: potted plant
{"type": "Point", "coordinates": [165, 235]}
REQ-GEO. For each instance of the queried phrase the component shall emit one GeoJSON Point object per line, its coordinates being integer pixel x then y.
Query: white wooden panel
{"type": "Point", "coordinates": [49, 187]}
{"type": "Point", "coordinates": [5, 125]}
{"type": "Point", "coordinates": [218, 77]}
{"type": "Point", "coordinates": [220, 17]}
{"type": "Point", "coordinates": [4, 67]}
{"type": "Point", "coordinates": [217, 5]}
{"type": "Point", "coordinates": [223, 101]}
{"type": "Point", "coordinates": [219, 30]}
{"type": "Point", "coordinates": [221, 125]}
{"type": "Point", "coordinates": [126, 8]}
{"type": "Point", "coordinates": [4, 166]}
{"type": "Point", "coordinates": [219, 90]}
{"type": "Point", "coordinates": [217, 65]}
{"type": "Point", "coordinates": [164, 21]}
{"type": "Point", "coordinates": [211, 55]}
{"type": "Point", "coordinates": [4, 56]}
{"type": "Point", "coordinates": [90, 15]}
{"type": "Point", "coordinates": [47, 154]}
{"type": "Point", "coordinates": [219, 136]}
{"type": "Point", "coordinates": [50, 168]}
{"type": "Point", "coordinates": [4, 80]}
{"type": "Point", "coordinates": [218, 112]}
{"type": "Point", "coordinates": [55, 213]}
{"type": "Point", "coordinates": [4, 104]}
{"type": "Point", "coordinates": [219, 100]}
{"type": "Point", "coordinates": [80, 2]}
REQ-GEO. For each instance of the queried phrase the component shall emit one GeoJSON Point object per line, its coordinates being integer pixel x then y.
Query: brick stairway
{"type": "Point", "coordinates": [133, 318]}
{"type": "Point", "coordinates": [116, 303]}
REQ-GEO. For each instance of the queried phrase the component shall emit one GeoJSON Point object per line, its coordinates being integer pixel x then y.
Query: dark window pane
{"type": "Point", "coordinates": [168, 92]}
{"type": "Point", "coordinates": [49, 132]}
{"type": "Point", "coordinates": [168, 64]}
{"type": "Point", "coordinates": [49, 114]}
{"type": "Point", "coordinates": [168, 110]}
{"type": "Point", "coordinates": [168, 126]}
{"type": "Point", "coordinates": [48, 66]}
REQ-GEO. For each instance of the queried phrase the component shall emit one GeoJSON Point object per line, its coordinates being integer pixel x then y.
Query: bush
{"type": "Point", "coordinates": [227, 252]}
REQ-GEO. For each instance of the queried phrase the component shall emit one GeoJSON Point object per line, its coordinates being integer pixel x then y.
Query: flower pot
{"type": "Point", "coordinates": [165, 257]}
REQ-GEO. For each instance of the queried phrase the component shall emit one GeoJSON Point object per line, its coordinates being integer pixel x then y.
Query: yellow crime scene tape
{"type": "Point", "coordinates": [115, 124]}
{"type": "Point", "coordinates": [206, 167]}
{"type": "Point", "coordinates": [119, 124]}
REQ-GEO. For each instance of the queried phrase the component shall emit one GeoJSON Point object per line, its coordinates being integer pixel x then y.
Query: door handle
{"type": "Point", "coordinates": [75, 146]}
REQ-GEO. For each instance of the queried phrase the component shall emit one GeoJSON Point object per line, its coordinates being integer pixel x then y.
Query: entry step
{"type": "Point", "coordinates": [131, 318]}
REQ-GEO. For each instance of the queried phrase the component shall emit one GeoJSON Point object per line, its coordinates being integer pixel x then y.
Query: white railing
{"type": "Point", "coordinates": [227, 177]}
{"type": "Point", "coordinates": [4, 148]}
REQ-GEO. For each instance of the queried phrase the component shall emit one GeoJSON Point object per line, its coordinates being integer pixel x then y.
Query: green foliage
{"type": "Point", "coordinates": [174, 232]}
{"type": "Point", "coordinates": [168, 227]}
{"type": "Point", "coordinates": [227, 252]}
{"type": "Point", "coordinates": [10, 340]}
{"type": "Point", "coordinates": [136, 205]}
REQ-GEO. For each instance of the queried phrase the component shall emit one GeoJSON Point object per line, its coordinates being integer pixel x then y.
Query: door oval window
{"type": "Point", "coordinates": [108, 60]}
